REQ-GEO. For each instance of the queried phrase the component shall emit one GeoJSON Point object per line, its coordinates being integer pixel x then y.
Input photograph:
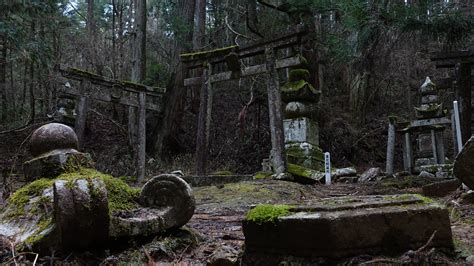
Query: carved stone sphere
{"type": "Point", "coordinates": [53, 136]}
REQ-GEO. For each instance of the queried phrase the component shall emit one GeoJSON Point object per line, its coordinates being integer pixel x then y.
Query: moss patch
{"type": "Point", "coordinates": [262, 175]}
{"type": "Point", "coordinates": [222, 50]}
{"type": "Point", "coordinates": [267, 213]}
{"type": "Point", "coordinates": [299, 74]}
{"type": "Point", "coordinates": [120, 195]}
{"type": "Point", "coordinates": [223, 172]}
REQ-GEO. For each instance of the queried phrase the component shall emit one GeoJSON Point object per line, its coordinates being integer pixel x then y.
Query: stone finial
{"type": "Point", "coordinates": [428, 87]}
{"type": "Point", "coordinates": [54, 148]}
{"type": "Point", "coordinates": [53, 136]}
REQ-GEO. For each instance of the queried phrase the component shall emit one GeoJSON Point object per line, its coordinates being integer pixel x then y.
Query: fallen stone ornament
{"type": "Point", "coordinates": [464, 164]}
{"type": "Point", "coordinates": [82, 208]}
{"type": "Point", "coordinates": [347, 226]}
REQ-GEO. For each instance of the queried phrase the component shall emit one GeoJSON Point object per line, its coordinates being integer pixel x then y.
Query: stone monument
{"type": "Point", "coordinates": [300, 124]}
{"type": "Point", "coordinates": [75, 207]}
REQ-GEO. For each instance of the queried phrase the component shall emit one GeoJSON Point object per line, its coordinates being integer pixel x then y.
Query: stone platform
{"type": "Point", "coordinates": [347, 226]}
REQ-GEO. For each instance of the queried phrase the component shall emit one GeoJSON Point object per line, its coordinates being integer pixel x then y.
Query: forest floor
{"type": "Point", "coordinates": [221, 209]}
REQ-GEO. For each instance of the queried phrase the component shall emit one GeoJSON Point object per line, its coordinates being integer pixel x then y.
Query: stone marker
{"type": "Point", "coordinates": [54, 147]}
{"type": "Point", "coordinates": [464, 164]}
{"type": "Point", "coordinates": [347, 226]}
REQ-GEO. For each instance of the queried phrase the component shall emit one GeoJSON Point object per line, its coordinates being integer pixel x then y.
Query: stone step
{"type": "Point", "coordinates": [347, 226]}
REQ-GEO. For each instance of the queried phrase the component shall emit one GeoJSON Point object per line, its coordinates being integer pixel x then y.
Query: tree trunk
{"type": "Point", "coordinates": [200, 24]}
{"type": "Point", "coordinates": [3, 78]}
{"type": "Point", "coordinates": [114, 46]}
{"type": "Point", "coordinates": [174, 98]}
{"type": "Point", "coordinates": [138, 75]}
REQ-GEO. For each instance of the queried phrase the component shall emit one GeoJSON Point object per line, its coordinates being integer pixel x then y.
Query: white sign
{"type": "Point", "coordinates": [327, 167]}
{"type": "Point", "coordinates": [457, 123]}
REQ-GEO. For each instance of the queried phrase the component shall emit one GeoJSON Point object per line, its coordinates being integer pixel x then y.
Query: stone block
{"type": "Point", "coordinates": [299, 91]}
{"type": "Point", "coordinates": [301, 130]}
{"type": "Point", "coordinates": [347, 226]}
{"type": "Point", "coordinates": [301, 109]}
{"type": "Point", "coordinates": [305, 154]}
{"type": "Point", "coordinates": [55, 162]}
{"type": "Point", "coordinates": [424, 143]}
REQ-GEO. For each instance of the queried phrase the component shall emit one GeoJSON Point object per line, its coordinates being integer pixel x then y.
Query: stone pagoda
{"type": "Point", "coordinates": [300, 125]}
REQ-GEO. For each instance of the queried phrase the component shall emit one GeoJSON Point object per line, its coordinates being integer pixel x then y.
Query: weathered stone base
{"type": "Point", "coordinates": [54, 163]}
{"type": "Point", "coordinates": [306, 155]}
{"type": "Point", "coordinates": [347, 226]}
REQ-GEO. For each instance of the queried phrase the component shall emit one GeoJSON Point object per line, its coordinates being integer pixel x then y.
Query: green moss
{"type": "Point", "coordinates": [120, 195]}
{"type": "Point", "coordinates": [267, 213]}
{"type": "Point", "coordinates": [39, 233]}
{"type": "Point", "coordinates": [84, 72]}
{"type": "Point", "coordinates": [303, 171]}
{"type": "Point", "coordinates": [463, 249]}
{"type": "Point", "coordinates": [262, 175]}
{"type": "Point", "coordinates": [21, 197]}
{"type": "Point", "coordinates": [299, 74]}
{"type": "Point", "coordinates": [128, 179]}
{"type": "Point", "coordinates": [209, 52]}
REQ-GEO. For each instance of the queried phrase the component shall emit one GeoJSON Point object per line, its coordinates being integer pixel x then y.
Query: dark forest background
{"type": "Point", "coordinates": [367, 57]}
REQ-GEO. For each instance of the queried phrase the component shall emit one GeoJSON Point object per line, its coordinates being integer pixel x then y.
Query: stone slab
{"type": "Point", "coordinates": [347, 226]}
{"type": "Point", "coordinates": [441, 189]}
{"type": "Point", "coordinates": [301, 130]}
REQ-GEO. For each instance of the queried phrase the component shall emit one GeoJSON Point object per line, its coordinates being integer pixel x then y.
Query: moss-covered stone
{"type": "Point", "coordinates": [267, 213]}
{"type": "Point", "coordinates": [299, 91]}
{"type": "Point", "coordinates": [305, 175]}
{"type": "Point", "coordinates": [214, 52]}
{"type": "Point", "coordinates": [312, 158]}
{"type": "Point", "coordinates": [299, 74]}
{"type": "Point", "coordinates": [429, 111]}
{"type": "Point", "coordinates": [120, 195]}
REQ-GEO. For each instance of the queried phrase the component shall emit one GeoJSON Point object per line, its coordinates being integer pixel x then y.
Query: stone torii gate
{"type": "Point", "coordinates": [95, 87]}
{"type": "Point", "coordinates": [231, 58]}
